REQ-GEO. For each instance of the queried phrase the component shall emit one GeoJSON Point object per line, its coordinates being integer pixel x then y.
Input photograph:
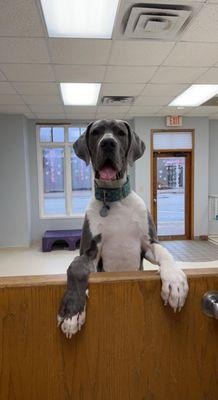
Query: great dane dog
{"type": "Point", "coordinates": [118, 230]}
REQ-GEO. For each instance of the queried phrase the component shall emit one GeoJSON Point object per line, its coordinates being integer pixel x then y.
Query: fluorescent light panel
{"type": "Point", "coordinates": [80, 94]}
{"type": "Point", "coordinates": [80, 18]}
{"type": "Point", "coordinates": [195, 95]}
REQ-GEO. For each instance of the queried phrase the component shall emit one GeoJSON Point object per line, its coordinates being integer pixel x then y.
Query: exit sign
{"type": "Point", "coordinates": [174, 120]}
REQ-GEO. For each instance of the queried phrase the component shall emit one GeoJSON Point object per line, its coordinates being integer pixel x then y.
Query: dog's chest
{"type": "Point", "coordinates": [122, 232]}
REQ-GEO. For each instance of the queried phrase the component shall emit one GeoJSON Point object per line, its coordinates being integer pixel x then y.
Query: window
{"type": "Point", "coordinates": [65, 182]}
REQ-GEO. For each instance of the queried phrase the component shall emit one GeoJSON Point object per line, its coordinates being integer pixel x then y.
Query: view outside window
{"type": "Point", "coordinates": [171, 196]}
{"type": "Point", "coordinates": [56, 161]}
{"type": "Point", "coordinates": [53, 177]}
{"type": "Point", "coordinates": [81, 184]}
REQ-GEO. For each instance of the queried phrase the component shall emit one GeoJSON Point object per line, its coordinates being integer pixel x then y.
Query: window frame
{"type": "Point", "coordinates": [67, 146]}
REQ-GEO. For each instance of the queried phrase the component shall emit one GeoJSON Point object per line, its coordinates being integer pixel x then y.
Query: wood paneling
{"type": "Point", "coordinates": [131, 348]}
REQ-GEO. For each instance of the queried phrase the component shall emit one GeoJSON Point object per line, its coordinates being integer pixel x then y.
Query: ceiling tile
{"type": "Point", "coordinates": [163, 90]}
{"type": "Point", "coordinates": [29, 115]}
{"type": "Point", "coordinates": [82, 117]}
{"type": "Point", "coordinates": [140, 111]}
{"type": "Point", "coordinates": [42, 100]}
{"type": "Point", "coordinates": [20, 18]}
{"type": "Point", "coordinates": [187, 54]}
{"type": "Point", "coordinates": [204, 28]}
{"type": "Point", "coordinates": [211, 76]}
{"type": "Point", "coordinates": [33, 88]}
{"type": "Point", "coordinates": [2, 77]}
{"type": "Point", "coordinates": [46, 116]}
{"type": "Point", "coordinates": [177, 74]}
{"type": "Point", "coordinates": [14, 109]}
{"type": "Point", "coordinates": [139, 52]}
{"type": "Point", "coordinates": [164, 111]}
{"type": "Point", "coordinates": [79, 51]}
{"type": "Point", "coordinates": [129, 74]}
{"type": "Point", "coordinates": [6, 88]}
{"type": "Point", "coordinates": [152, 101]}
{"type": "Point", "coordinates": [101, 115]}
{"type": "Point", "coordinates": [80, 109]}
{"type": "Point", "coordinates": [10, 99]}
{"type": "Point", "coordinates": [203, 111]}
{"type": "Point", "coordinates": [28, 72]}
{"type": "Point", "coordinates": [23, 50]}
{"type": "Point", "coordinates": [47, 108]}
{"type": "Point", "coordinates": [113, 109]}
{"type": "Point", "coordinates": [116, 89]}
{"type": "Point", "coordinates": [79, 73]}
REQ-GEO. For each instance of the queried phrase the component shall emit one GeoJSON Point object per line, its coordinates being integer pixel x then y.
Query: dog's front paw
{"type": "Point", "coordinates": [71, 325]}
{"type": "Point", "coordinates": [72, 313]}
{"type": "Point", "coordinates": [174, 287]}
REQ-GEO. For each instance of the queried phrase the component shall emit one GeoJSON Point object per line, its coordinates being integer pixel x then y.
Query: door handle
{"type": "Point", "coordinates": [210, 304]}
{"type": "Point", "coordinates": [155, 200]}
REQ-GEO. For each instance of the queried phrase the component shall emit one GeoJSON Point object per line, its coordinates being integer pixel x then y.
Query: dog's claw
{"type": "Point", "coordinates": [174, 287]}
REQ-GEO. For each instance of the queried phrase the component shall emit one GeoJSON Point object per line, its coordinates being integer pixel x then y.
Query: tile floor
{"type": "Point", "coordinates": [192, 250]}
{"type": "Point", "coordinates": [31, 261]}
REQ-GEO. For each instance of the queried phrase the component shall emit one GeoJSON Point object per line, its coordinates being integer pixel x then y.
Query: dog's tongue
{"type": "Point", "coordinates": [107, 173]}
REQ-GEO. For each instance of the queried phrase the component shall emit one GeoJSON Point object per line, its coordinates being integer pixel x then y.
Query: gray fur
{"type": "Point", "coordinates": [81, 146]}
{"type": "Point", "coordinates": [74, 298]}
{"type": "Point", "coordinates": [95, 144]}
{"type": "Point", "coordinates": [103, 142]}
{"type": "Point", "coordinates": [86, 236]}
{"type": "Point", "coordinates": [136, 147]}
{"type": "Point", "coordinates": [152, 231]}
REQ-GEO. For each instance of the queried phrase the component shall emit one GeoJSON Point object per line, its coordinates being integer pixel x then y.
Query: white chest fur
{"type": "Point", "coordinates": [123, 232]}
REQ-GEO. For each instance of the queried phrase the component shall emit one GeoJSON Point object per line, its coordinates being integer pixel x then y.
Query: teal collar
{"type": "Point", "coordinates": [109, 195]}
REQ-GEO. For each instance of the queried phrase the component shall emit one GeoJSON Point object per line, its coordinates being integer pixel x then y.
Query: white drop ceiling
{"type": "Point", "coordinates": [32, 65]}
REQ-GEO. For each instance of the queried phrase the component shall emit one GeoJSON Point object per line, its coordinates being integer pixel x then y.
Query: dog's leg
{"type": "Point", "coordinates": [174, 281]}
{"type": "Point", "coordinates": [72, 311]}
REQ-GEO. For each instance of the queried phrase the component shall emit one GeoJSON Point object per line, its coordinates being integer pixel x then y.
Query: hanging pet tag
{"type": "Point", "coordinates": [104, 211]}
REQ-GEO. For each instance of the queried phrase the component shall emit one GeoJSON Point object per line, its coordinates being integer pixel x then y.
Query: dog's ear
{"type": "Point", "coordinates": [81, 146]}
{"type": "Point", "coordinates": [136, 146]}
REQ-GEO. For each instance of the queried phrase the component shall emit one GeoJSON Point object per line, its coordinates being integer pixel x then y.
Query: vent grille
{"type": "Point", "coordinates": [153, 20]}
{"type": "Point", "coordinates": [117, 100]}
{"type": "Point", "coordinates": [156, 21]}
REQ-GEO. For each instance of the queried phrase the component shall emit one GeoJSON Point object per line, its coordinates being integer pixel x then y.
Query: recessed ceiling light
{"type": "Point", "coordinates": [80, 18]}
{"type": "Point", "coordinates": [80, 94]}
{"type": "Point", "coordinates": [195, 95]}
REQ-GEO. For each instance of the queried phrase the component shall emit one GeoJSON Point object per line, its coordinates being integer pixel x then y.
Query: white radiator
{"type": "Point", "coordinates": [213, 215]}
{"type": "Point", "coordinates": [213, 207]}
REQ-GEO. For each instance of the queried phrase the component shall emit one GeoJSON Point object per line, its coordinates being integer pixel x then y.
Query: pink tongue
{"type": "Point", "coordinates": [107, 173]}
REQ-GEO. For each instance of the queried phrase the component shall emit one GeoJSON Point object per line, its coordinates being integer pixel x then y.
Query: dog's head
{"type": "Point", "coordinates": [110, 145]}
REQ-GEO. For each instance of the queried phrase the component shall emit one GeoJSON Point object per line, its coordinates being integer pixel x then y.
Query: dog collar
{"type": "Point", "coordinates": [109, 195]}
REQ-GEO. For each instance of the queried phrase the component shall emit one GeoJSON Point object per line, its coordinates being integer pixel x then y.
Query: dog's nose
{"type": "Point", "coordinates": [108, 144]}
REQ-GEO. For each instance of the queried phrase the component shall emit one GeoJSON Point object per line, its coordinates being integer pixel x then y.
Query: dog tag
{"type": "Point", "coordinates": [104, 211]}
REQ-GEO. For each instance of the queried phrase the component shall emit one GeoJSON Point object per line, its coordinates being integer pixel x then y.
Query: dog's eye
{"type": "Point", "coordinates": [95, 132]}
{"type": "Point", "coordinates": [121, 133]}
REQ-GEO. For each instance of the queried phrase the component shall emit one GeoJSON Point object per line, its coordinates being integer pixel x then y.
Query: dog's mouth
{"type": "Point", "coordinates": [107, 172]}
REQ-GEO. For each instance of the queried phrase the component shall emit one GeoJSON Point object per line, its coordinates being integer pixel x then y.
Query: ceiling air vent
{"type": "Point", "coordinates": [156, 21]}
{"type": "Point", "coordinates": [117, 100]}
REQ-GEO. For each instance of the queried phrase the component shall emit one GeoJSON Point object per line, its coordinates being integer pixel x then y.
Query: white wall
{"type": "Point", "coordinates": [19, 183]}
{"type": "Point", "coordinates": [213, 169]}
{"type": "Point", "coordinates": [143, 126]}
{"type": "Point", "coordinates": [14, 182]}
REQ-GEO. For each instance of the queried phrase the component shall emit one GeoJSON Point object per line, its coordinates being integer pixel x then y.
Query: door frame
{"type": "Point", "coordinates": [191, 151]}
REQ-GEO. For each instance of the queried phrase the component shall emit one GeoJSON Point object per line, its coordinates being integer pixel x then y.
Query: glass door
{"type": "Point", "coordinates": [171, 195]}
